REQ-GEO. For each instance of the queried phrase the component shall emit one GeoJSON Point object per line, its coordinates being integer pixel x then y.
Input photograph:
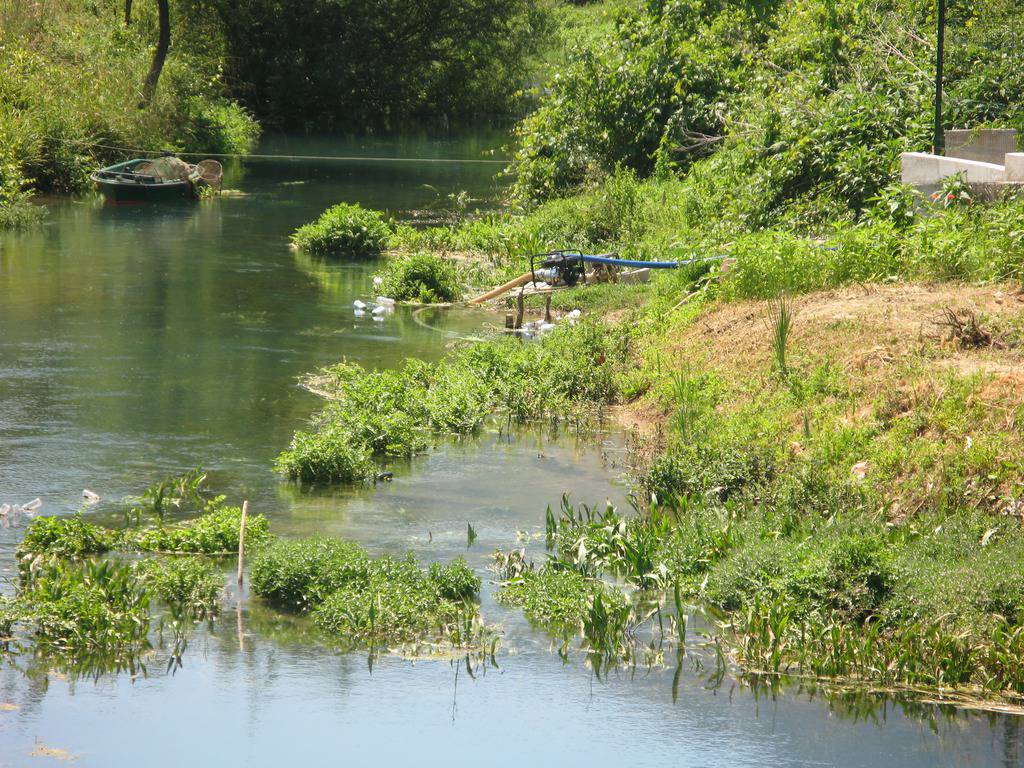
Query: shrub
{"type": "Point", "coordinates": [301, 573]}
{"type": "Point", "coordinates": [346, 230]}
{"type": "Point", "coordinates": [421, 277]}
{"type": "Point", "coordinates": [849, 574]}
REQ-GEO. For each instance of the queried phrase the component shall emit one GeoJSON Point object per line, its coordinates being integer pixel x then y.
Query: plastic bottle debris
{"type": "Point", "coordinates": [359, 313]}
{"type": "Point", "coordinates": [33, 505]}
{"type": "Point", "coordinates": [89, 497]}
{"type": "Point", "coordinates": [4, 509]}
{"type": "Point", "coordinates": [379, 318]}
{"type": "Point", "coordinates": [358, 304]}
{"type": "Point", "coordinates": [384, 301]}
{"type": "Point", "coordinates": [377, 311]}
{"type": "Point", "coordinates": [574, 315]}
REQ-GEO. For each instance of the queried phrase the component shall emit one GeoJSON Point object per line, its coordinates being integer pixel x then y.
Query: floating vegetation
{"type": "Point", "coordinates": [91, 617]}
{"type": "Point", "coordinates": [66, 537]}
{"type": "Point", "coordinates": [558, 598]}
{"type": "Point", "coordinates": [184, 491]}
{"type": "Point", "coordinates": [214, 532]}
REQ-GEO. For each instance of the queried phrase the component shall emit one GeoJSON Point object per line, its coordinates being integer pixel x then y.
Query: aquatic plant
{"type": "Point", "coordinates": [421, 277]}
{"type": "Point", "coordinates": [85, 607]}
{"type": "Point", "coordinates": [345, 230]}
{"type": "Point", "coordinates": [400, 603]}
{"type": "Point", "coordinates": [65, 537]}
{"type": "Point", "coordinates": [301, 573]}
{"type": "Point", "coordinates": [184, 491]}
{"type": "Point", "coordinates": [557, 598]}
{"type": "Point", "coordinates": [190, 586]}
{"type": "Point", "coordinates": [215, 531]}
{"type": "Point", "coordinates": [328, 455]}
{"type": "Point", "coordinates": [362, 599]}
{"type": "Point", "coordinates": [392, 413]}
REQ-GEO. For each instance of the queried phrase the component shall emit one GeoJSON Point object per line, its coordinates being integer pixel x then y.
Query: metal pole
{"type": "Point", "coordinates": [940, 137]}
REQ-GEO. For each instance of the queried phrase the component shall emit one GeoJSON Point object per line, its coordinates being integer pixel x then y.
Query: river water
{"type": "Point", "coordinates": [140, 341]}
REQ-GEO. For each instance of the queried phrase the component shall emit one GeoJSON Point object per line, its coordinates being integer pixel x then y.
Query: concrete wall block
{"type": "Point", "coordinates": [1015, 167]}
{"type": "Point", "coordinates": [923, 169]}
{"type": "Point", "coordinates": [985, 145]}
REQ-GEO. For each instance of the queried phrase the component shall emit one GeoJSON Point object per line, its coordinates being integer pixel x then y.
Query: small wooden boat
{"type": "Point", "coordinates": [145, 180]}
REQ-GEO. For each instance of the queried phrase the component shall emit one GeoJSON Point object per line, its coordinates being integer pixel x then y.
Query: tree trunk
{"type": "Point", "coordinates": [162, 45]}
{"type": "Point", "coordinates": [127, 13]}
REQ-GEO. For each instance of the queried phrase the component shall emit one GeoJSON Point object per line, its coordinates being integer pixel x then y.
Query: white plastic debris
{"type": "Point", "coordinates": [574, 315]}
{"type": "Point", "coordinates": [378, 311]}
{"type": "Point", "coordinates": [384, 301]}
{"type": "Point", "coordinates": [358, 304]}
{"type": "Point", "coordinates": [545, 327]}
{"type": "Point", "coordinates": [4, 509]}
{"type": "Point", "coordinates": [359, 313]}
{"type": "Point", "coordinates": [89, 497]}
{"type": "Point", "coordinates": [33, 505]}
{"type": "Point", "coordinates": [379, 318]}
{"type": "Point", "coordinates": [377, 280]}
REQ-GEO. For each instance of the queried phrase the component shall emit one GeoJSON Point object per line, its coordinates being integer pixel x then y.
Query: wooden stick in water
{"type": "Point", "coordinates": [241, 541]}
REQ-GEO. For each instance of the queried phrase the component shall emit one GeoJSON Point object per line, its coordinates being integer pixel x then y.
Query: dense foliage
{"type": "Point", "coordinates": [805, 105]}
{"type": "Point", "coordinates": [362, 600]}
{"type": "Point", "coordinates": [214, 531]}
{"type": "Point", "coordinates": [355, 65]}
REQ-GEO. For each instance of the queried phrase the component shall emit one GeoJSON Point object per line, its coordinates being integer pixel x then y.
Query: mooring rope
{"type": "Point", "coordinates": [243, 156]}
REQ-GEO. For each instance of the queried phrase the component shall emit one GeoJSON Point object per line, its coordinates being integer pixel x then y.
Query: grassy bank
{"type": "Point", "coordinates": [73, 88]}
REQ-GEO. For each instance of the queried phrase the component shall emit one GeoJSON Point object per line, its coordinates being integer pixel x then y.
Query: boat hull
{"type": "Point", "coordinates": [120, 184]}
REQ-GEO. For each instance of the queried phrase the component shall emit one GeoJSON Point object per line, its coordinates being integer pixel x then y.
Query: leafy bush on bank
{"type": "Point", "coordinates": [803, 107]}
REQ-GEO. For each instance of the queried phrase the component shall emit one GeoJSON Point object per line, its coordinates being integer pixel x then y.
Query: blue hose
{"type": "Point", "coordinates": [642, 264]}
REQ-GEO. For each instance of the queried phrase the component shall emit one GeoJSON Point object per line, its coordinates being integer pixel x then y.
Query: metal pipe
{"type": "Point", "coordinates": [939, 141]}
